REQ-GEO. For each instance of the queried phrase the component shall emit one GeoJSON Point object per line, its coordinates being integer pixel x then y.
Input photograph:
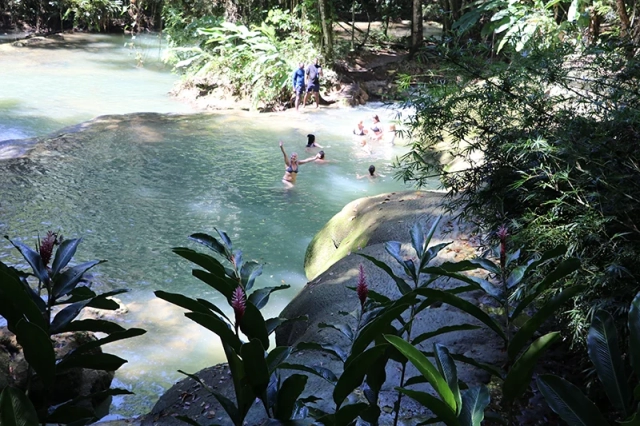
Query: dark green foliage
{"type": "Point", "coordinates": [27, 302]}
{"type": "Point", "coordinates": [255, 373]}
{"type": "Point", "coordinates": [611, 367]}
{"type": "Point", "coordinates": [548, 145]}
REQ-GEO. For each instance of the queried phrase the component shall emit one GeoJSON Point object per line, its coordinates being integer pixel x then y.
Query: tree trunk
{"type": "Point", "coordinates": [327, 31]}
{"type": "Point", "coordinates": [624, 17]}
{"type": "Point", "coordinates": [417, 36]}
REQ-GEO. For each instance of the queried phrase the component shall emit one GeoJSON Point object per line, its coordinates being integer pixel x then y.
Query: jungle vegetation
{"type": "Point", "coordinates": [527, 111]}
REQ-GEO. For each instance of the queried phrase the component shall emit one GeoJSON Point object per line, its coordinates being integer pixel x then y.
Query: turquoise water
{"type": "Point", "coordinates": [140, 184]}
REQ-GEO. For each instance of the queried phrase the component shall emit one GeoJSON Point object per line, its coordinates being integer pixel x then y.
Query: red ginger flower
{"type": "Point", "coordinates": [361, 289]}
{"type": "Point", "coordinates": [238, 303]}
{"type": "Point", "coordinates": [46, 247]}
{"type": "Point", "coordinates": [503, 233]}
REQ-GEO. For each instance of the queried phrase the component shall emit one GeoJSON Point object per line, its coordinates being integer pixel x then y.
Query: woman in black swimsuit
{"type": "Point", "coordinates": [292, 163]}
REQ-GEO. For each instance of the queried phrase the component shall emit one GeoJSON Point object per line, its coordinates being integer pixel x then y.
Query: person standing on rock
{"type": "Point", "coordinates": [313, 74]}
{"type": "Point", "coordinates": [298, 83]}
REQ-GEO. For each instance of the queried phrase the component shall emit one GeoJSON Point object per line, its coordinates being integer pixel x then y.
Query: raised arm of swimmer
{"type": "Point", "coordinates": [286, 159]}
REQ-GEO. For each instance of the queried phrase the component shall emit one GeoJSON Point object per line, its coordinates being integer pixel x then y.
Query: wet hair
{"type": "Point", "coordinates": [321, 155]}
{"type": "Point", "coordinates": [310, 139]}
{"type": "Point", "coordinates": [372, 169]}
{"type": "Point", "coordinates": [294, 154]}
{"type": "Point", "coordinates": [375, 117]}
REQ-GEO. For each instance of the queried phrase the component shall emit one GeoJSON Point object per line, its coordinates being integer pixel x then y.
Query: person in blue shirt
{"type": "Point", "coordinates": [298, 82]}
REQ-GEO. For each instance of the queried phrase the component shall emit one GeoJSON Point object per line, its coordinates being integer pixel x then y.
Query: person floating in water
{"type": "Point", "coordinates": [313, 74]}
{"type": "Point", "coordinates": [372, 173]}
{"type": "Point", "coordinates": [359, 130]}
{"type": "Point", "coordinates": [298, 83]}
{"type": "Point", "coordinates": [311, 142]}
{"type": "Point", "coordinates": [291, 169]}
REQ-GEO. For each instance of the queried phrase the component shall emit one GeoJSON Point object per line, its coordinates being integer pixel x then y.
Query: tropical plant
{"type": "Point", "coordinates": [46, 302]}
{"type": "Point", "coordinates": [253, 63]}
{"type": "Point", "coordinates": [603, 346]}
{"type": "Point", "coordinates": [543, 144]}
{"type": "Point", "coordinates": [510, 278]}
{"type": "Point", "coordinates": [455, 407]}
{"type": "Point", "coordinates": [255, 371]}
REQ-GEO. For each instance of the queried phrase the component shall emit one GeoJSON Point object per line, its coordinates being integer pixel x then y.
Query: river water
{"type": "Point", "coordinates": [134, 186]}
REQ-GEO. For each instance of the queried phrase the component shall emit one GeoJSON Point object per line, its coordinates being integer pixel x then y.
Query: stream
{"type": "Point", "coordinates": [149, 171]}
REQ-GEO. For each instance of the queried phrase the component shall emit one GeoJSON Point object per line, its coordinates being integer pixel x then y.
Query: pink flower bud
{"type": "Point", "coordinates": [361, 289]}
{"type": "Point", "coordinates": [46, 247]}
{"type": "Point", "coordinates": [238, 303]}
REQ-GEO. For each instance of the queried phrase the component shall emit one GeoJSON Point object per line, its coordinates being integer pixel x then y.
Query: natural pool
{"type": "Point", "coordinates": [135, 186]}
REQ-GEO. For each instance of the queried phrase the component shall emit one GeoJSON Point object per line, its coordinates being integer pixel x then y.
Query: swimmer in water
{"type": "Point", "coordinates": [311, 142]}
{"type": "Point", "coordinates": [292, 163]}
{"type": "Point", "coordinates": [372, 173]}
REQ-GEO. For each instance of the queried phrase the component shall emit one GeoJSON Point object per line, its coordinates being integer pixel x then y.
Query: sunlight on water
{"type": "Point", "coordinates": [135, 186]}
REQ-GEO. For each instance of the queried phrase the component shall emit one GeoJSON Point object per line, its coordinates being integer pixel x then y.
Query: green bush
{"type": "Point", "coordinates": [252, 63]}
{"type": "Point", "coordinates": [548, 144]}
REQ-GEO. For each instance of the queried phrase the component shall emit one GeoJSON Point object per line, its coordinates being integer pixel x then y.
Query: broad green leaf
{"type": "Point", "coordinates": [347, 414]}
{"type": "Point", "coordinates": [209, 242]}
{"type": "Point", "coordinates": [442, 410]}
{"type": "Point", "coordinates": [260, 297]}
{"type": "Point", "coordinates": [394, 248]}
{"type": "Point", "coordinates": [277, 356]}
{"type": "Point", "coordinates": [64, 283]}
{"type": "Point", "coordinates": [431, 253]}
{"type": "Point", "coordinates": [322, 372]}
{"type": "Point", "coordinates": [375, 328]}
{"type": "Point", "coordinates": [214, 308]}
{"type": "Point", "coordinates": [16, 409]}
{"type": "Point", "coordinates": [476, 282]}
{"type": "Point", "coordinates": [249, 272]}
{"type": "Point", "coordinates": [442, 330]}
{"type": "Point", "coordinates": [255, 366]}
{"type": "Point", "coordinates": [253, 325]}
{"type": "Point", "coordinates": [400, 283]}
{"type": "Point", "coordinates": [567, 401]}
{"type": "Point", "coordinates": [519, 377]}
{"type": "Point", "coordinates": [516, 276]}
{"type": "Point", "coordinates": [523, 335]}
{"type": "Point", "coordinates": [225, 239]}
{"type": "Point", "coordinates": [604, 352]}
{"type": "Point", "coordinates": [65, 252]}
{"type": "Point", "coordinates": [427, 369]}
{"type": "Point", "coordinates": [218, 326]}
{"type": "Point", "coordinates": [221, 283]}
{"type": "Point", "coordinates": [565, 268]}
{"type": "Point", "coordinates": [272, 324]}
{"type": "Point", "coordinates": [15, 301]}
{"type": "Point", "coordinates": [634, 334]}
{"type": "Point", "coordinates": [182, 301]}
{"type": "Point", "coordinates": [107, 362]}
{"type": "Point", "coordinates": [38, 350]}
{"type": "Point", "coordinates": [205, 261]}
{"type": "Point", "coordinates": [113, 337]}
{"type": "Point", "coordinates": [449, 372]}
{"type": "Point", "coordinates": [33, 258]}
{"type": "Point", "coordinates": [465, 306]}
{"type": "Point", "coordinates": [354, 373]}
{"type": "Point", "coordinates": [474, 402]}
{"type": "Point", "coordinates": [289, 393]}
{"type": "Point", "coordinates": [93, 325]}
{"type": "Point", "coordinates": [417, 238]}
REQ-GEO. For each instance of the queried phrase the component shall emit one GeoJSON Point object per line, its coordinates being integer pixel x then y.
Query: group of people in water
{"type": "Point", "coordinates": [375, 132]}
